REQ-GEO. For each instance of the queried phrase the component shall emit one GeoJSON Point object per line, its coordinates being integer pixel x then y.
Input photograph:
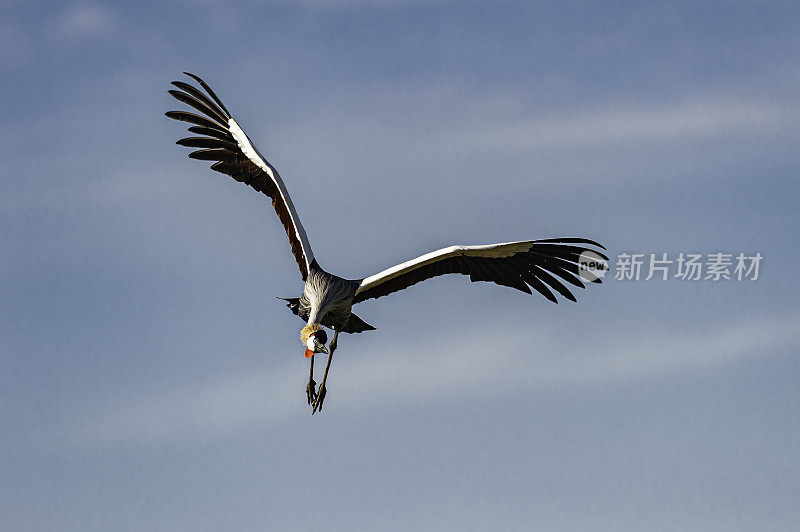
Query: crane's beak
{"type": "Point", "coordinates": [318, 348]}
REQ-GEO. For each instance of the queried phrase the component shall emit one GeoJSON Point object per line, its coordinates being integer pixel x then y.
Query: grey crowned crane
{"type": "Point", "coordinates": [327, 300]}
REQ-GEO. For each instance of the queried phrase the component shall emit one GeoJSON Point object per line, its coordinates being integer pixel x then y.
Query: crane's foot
{"type": "Point", "coordinates": [317, 403]}
{"type": "Point", "coordinates": [319, 399]}
{"type": "Point", "coordinates": [311, 391]}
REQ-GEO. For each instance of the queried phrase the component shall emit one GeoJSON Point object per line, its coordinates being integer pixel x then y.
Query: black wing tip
{"type": "Point", "coordinates": [567, 294]}
{"type": "Point", "coordinates": [590, 242]}
{"type": "Point", "coordinates": [565, 245]}
{"type": "Point", "coordinates": [210, 92]}
{"type": "Point", "coordinates": [180, 116]}
{"type": "Point", "coordinates": [569, 297]}
{"type": "Point", "coordinates": [570, 240]}
{"type": "Point", "coordinates": [537, 285]}
{"type": "Point", "coordinates": [195, 77]}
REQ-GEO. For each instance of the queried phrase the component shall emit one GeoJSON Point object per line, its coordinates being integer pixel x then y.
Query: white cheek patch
{"type": "Point", "coordinates": [310, 343]}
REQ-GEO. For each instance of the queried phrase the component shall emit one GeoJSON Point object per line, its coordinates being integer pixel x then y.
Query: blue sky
{"type": "Point", "coordinates": [150, 380]}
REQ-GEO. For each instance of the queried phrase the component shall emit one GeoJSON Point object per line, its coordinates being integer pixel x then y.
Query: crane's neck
{"type": "Point", "coordinates": [315, 315]}
{"type": "Point", "coordinates": [315, 292]}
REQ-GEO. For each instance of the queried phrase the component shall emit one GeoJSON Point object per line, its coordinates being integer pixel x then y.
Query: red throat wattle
{"type": "Point", "coordinates": [309, 353]}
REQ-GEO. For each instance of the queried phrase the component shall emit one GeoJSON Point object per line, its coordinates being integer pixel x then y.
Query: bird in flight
{"type": "Point", "coordinates": [327, 299]}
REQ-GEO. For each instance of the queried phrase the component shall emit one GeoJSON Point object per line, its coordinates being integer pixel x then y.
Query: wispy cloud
{"type": "Point", "coordinates": [428, 371]}
{"type": "Point", "coordinates": [85, 19]}
{"type": "Point", "coordinates": [697, 120]}
{"type": "Point", "coordinates": [423, 120]}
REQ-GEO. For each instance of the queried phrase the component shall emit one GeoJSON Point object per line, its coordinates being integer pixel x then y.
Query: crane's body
{"type": "Point", "coordinates": [327, 300]}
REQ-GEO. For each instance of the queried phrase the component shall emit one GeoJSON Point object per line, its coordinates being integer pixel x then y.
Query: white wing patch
{"type": "Point", "coordinates": [496, 251]}
{"type": "Point", "coordinates": [252, 153]}
{"type": "Point", "coordinates": [491, 251]}
{"type": "Point", "coordinates": [247, 147]}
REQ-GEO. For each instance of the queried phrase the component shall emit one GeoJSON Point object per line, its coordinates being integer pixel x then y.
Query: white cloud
{"type": "Point", "coordinates": [439, 122]}
{"type": "Point", "coordinates": [433, 370]}
{"type": "Point", "coordinates": [698, 120]}
{"type": "Point", "coordinates": [84, 19]}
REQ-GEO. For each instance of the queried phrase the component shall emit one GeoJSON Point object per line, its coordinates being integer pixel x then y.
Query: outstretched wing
{"type": "Point", "coordinates": [544, 265]}
{"type": "Point", "coordinates": [222, 140]}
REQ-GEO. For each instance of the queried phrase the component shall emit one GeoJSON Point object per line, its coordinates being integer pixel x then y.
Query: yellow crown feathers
{"type": "Point", "coordinates": [308, 330]}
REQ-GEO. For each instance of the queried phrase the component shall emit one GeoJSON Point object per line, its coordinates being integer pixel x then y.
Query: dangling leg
{"type": "Point", "coordinates": [311, 387]}
{"type": "Point", "coordinates": [321, 394]}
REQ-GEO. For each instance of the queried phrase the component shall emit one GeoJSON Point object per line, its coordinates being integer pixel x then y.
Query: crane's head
{"type": "Point", "coordinates": [314, 337]}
